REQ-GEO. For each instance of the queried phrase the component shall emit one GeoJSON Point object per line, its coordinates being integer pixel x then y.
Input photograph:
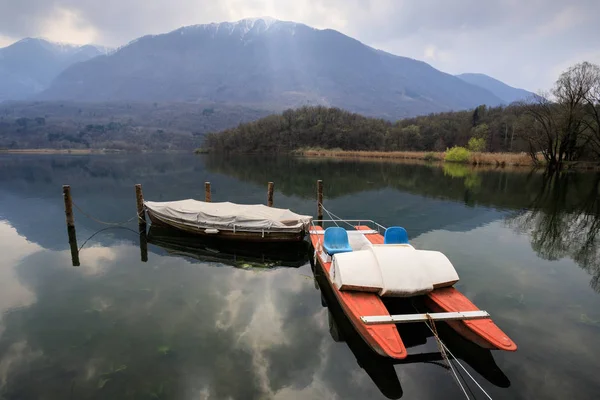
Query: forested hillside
{"type": "Point", "coordinates": [119, 126]}
{"type": "Point", "coordinates": [498, 128]}
{"type": "Point", "coordinates": [562, 126]}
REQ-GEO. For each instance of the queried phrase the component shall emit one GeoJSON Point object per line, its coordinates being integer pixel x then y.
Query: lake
{"type": "Point", "coordinates": [211, 322]}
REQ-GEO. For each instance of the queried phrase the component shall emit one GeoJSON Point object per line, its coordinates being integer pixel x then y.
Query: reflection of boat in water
{"type": "Point", "coordinates": [365, 270]}
{"type": "Point", "coordinates": [381, 369]}
{"type": "Point", "coordinates": [239, 254]}
{"type": "Point", "coordinates": [249, 222]}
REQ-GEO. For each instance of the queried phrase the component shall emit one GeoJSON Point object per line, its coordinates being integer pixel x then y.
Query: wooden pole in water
{"type": "Point", "coordinates": [319, 199]}
{"type": "Point", "coordinates": [207, 192]}
{"type": "Point", "coordinates": [68, 206]}
{"type": "Point", "coordinates": [143, 243]}
{"type": "Point", "coordinates": [139, 198]}
{"type": "Point", "coordinates": [270, 194]}
{"type": "Point", "coordinates": [73, 246]}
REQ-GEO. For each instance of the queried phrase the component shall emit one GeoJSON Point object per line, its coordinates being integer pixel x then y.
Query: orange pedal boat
{"type": "Point", "coordinates": [369, 315]}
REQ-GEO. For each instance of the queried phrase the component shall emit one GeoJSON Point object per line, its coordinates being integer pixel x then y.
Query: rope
{"type": "Point", "coordinates": [463, 368]}
{"type": "Point", "coordinates": [104, 229]}
{"type": "Point", "coordinates": [330, 216]}
{"type": "Point", "coordinates": [333, 217]}
{"type": "Point", "coordinates": [441, 347]}
{"type": "Point", "coordinates": [104, 222]}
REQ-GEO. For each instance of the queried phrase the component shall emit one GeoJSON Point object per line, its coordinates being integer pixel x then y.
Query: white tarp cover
{"type": "Point", "coordinates": [440, 269]}
{"type": "Point", "coordinates": [358, 241]}
{"type": "Point", "coordinates": [357, 270]}
{"type": "Point", "coordinates": [226, 216]}
{"type": "Point", "coordinates": [401, 271]}
{"type": "Point", "coordinates": [392, 270]}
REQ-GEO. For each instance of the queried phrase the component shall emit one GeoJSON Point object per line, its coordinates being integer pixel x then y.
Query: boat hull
{"type": "Point", "coordinates": [483, 332]}
{"type": "Point", "coordinates": [383, 339]}
{"type": "Point", "coordinates": [229, 234]}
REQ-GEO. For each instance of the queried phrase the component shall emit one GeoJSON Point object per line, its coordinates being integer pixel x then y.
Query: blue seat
{"type": "Point", "coordinates": [395, 235]}
{"type": "Point", "coordinates": [336, 241]}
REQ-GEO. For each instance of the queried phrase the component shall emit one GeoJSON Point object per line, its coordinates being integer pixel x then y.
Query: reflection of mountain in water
{"type": "Point", "coordinates": [563, 220]}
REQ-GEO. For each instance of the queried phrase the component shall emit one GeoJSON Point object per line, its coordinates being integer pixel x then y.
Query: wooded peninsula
{"type": "Point", "coordinates": [555, 128]}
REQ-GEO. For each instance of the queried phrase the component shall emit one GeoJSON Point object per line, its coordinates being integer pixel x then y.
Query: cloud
{"type": "Point", "coordinates": [514, 41]}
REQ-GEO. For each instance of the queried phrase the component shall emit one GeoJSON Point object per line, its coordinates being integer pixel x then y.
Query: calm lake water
{"type": "Point", "coordinates": [207, 322]}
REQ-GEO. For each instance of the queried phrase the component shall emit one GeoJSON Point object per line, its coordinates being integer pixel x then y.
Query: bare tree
{"type": "Point", "coordinates": [563, 126]}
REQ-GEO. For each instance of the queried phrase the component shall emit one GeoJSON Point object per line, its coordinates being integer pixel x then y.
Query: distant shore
{"type": "Point", "coordinates": [58, 151]}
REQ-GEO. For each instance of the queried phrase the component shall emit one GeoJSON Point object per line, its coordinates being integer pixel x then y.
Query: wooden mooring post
{"type": "Point", "coordinates": [143, 243]}
{"type": "Point", "coordinates": [68, 206]}
{"type": "Point", "coordinates": [319, 200]}
{"type": "Point", "coordinates": [270, 194]}
{"type": "Point", "coordinates": [207, 192]}
{"type": "Point", "coordinates": [71, 225]}
{"type": "Point", "coordinates": [73, 246]}
{"type": "Point", "coordinates": [139, 199]}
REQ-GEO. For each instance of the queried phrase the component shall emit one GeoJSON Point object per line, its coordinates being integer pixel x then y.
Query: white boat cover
{"type": "Point", "coordinates": [229, 216]}
{"type": "Point", "coordinates": [392, 270]}
{"type": "Point", "coordinates": [401, 271]}
{"type": "Point", "coordinates": [357, 270]}
{"type": "Point", "coordinates": [358, 241]}
{"type": "Point", "coordinates": [439, 268]}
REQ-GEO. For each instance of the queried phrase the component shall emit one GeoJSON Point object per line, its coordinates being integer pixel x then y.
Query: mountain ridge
{"type": "Point", "coordinates": [270, 64]}
{"type": "Point", "coordinates": [29, 65]}
{"type": "Point", "coordinates": [507, 93]}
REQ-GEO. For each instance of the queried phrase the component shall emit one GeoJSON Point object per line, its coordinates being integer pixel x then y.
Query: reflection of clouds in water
{"type": "Point", "coordinates": [95, 260]}
{"type": "Point", "coordinates": [539, 303]}
{"type": "Point", "coordinates": [255, 307]}
{"type": "Point", "coordinates": [13, 248]}
{"type": "Point", "coordinates": [17, 354]}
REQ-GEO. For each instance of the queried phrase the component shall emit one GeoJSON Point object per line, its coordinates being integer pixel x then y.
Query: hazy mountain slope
{"type": "Point", "coordinates": [500, 89]}
{"type": "Point", "coordinates": [28, 66]}
{"type": "Point", "coordinates": [269, 64]}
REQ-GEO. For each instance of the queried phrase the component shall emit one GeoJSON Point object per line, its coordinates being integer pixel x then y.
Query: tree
{"type": "Point", "coordinates": [561, 129]}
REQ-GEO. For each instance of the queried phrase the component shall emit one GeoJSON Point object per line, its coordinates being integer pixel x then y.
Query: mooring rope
{"type": "Point", "coordinates": [441, 347]}
{"type": "Point", "coordinates": [463, 368]}
{"type": "Point", "coordinates": [333, 217]}
{"type": "Point", "coordinates": [444, 349]}
{"type": "Point", "coordinates": [102, 230]}
{"type": "Point", "coordinates": [104, 222]}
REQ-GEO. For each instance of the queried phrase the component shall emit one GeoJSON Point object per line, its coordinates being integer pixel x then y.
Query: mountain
{"type": "Point", "coordinates": [268, 64]}
{"type": "Point", "coordinates": [28, 66]}
{"type": "Point", "coordinates": [508, 94]}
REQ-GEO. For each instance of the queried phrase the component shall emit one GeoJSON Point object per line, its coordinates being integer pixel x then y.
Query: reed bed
{"type": "Point", "coordinates": [475, 158]}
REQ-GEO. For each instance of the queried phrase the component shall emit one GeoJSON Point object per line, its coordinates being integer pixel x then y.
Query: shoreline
{"type": "Point", "coordinates": [60, 151]}
{"type": "Point", "coordinates": [476, 159]}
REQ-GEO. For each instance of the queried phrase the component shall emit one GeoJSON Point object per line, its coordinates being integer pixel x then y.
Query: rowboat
{"type": "Point", "coordinates": [225, 220]}
{"type": "Point", "coordinates": [363, 267]}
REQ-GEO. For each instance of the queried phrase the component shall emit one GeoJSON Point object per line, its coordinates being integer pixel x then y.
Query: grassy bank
{"type": "Point", "coordinates": [473, 158]}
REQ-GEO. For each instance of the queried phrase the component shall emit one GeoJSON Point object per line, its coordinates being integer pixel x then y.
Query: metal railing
{"type": "Point", "coordinates": [349, 222]}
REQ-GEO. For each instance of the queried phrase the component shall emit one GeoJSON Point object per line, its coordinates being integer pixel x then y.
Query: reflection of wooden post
{"type": "Point", "coordinates": [270, 194]}
{"type": "Point", "coordinates": [139, 198]}
{"type": "Point", "coordinates": [143, 243]}
{"type": "Point", "coordinates": [68, 206]}
{"type": "Point", "coordinates": [319, 199]}
{"type": "Point", "coordinates": [207, 192]}
{"type": "Point", "coordinates": [73, 245]}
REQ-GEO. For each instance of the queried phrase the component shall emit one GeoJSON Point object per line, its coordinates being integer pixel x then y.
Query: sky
{"type": "Point", "coordinates": [523, 43]}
